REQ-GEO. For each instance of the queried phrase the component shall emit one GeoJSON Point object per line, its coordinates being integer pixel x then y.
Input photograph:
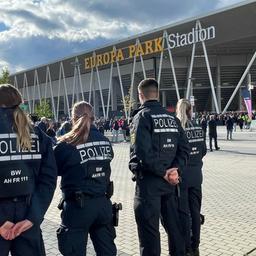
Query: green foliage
{"type": "Point", "coordinates": [4, 78]}
{"type": "Point", "coordinates": [44, 109]}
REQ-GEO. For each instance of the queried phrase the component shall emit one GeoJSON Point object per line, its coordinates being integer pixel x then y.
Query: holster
{"type": "Point", "coordinates": [116, 207]}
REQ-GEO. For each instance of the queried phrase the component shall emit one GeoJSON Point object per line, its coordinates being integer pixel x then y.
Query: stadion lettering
{"type": "Point", "coordinates": [149, 47]}
{"type": "Point", "coordinates": [195, 36]}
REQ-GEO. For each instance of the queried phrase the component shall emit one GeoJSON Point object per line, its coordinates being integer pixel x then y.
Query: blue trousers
{"type": "Point", "coordinates": [190, 207]}
{"type": "Point", "coordinates": [148, 212]}
{"type": "Point", "coordinates": [30, 242]}
{"type": "Point", "coordinates": [95, 218]}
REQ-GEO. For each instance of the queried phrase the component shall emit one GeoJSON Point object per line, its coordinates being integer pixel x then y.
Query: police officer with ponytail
{"type": "Point", "coordinates": [27, 178]}
{"type": "Point", "coordinates": [83, 158]}
{"type": "Point", "coordinates": [191, 191]}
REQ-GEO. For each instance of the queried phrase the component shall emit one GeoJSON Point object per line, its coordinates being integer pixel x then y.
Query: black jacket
{"type": "Point", "coordinates": [192, 173]}
{"type": "Point", "coordinates": [24, 173]}
{"type": "Point", "coordinates": [212, 124]}
{"type": "Point", "coordinates": [229, 124]}
{"type": "Point", "coordinates": [158, 143]}
{"type": "Point", "coordinates": [85, 167]}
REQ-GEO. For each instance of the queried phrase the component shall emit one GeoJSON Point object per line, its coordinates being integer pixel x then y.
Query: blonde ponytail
{"type": "Point", "coordinates": [22, 127]}
{"type": "Point", "coordinates": [82, 115]}
{"type": "Point", "coordinates": [182, 111]}
{"type": "Point", "coordinates": [10, 97]}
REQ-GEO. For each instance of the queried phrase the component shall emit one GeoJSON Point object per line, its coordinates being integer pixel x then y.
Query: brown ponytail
{"type": "Point", "coordinates": [10, 97]}
{"type": "Point", "coordinates": [82, 118]}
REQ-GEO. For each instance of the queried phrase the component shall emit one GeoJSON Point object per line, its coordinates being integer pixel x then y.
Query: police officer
{"type": "Point", "coordinates": [191, 192]}
{"type": "Point", "coordinates": [159, 150]}
{"type": "Point", "coordinates": [83, 158]}
{"type": "Point", "coordinates": [27, 178]}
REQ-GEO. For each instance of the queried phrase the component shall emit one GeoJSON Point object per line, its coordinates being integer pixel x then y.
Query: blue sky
{"type": "Point", "coordinates": [34, 32]}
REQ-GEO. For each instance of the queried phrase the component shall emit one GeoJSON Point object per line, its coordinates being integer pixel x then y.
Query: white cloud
{"type": "Point", "coordinates": [79, 23]}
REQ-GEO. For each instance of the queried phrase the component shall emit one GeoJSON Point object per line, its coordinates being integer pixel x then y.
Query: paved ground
{"type": "Point", "coordinates": [229, 201]}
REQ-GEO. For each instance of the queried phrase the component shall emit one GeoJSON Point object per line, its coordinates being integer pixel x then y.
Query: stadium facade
{"type": "Point", "coordinates": [208, 59]}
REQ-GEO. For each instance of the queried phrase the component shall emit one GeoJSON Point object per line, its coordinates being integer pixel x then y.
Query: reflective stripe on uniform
{"type": "Point", "coordinates": [196, 140]}
{"type": "Point", "coordinates": [165, 130]}
{"type": "Point", "coordinates": [14, 135]}
{"type": "Point", "coordinates": [100, 158]}
{"type": "Point", "coordinates": [20, 157]}
{"type": "Point", "coordinates": [96, 143]}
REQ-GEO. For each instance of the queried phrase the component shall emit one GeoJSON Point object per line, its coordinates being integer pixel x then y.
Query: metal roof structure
{"type": "Point", "coordinates": [227, 56]}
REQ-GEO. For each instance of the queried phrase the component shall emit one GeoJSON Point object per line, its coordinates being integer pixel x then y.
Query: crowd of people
{"type": "Point", "coordinates": [166, 152]}
{"type": "Point", "coordinates": [119, 127]}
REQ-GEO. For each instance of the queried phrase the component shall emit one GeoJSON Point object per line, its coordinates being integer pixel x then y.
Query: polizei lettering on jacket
{"type": "Point", "coordinates": [164, 123]}
{"type": "Point", "coordinates": [17, 176]}
{"type": "Point", "coordinates": [9, 151]}
{"type": "Point", "coordinates": [196, 35]}
{"type": "Point", "coordinates": [98, 150]}
{"type": "Point", "coordinates": [194, 134]}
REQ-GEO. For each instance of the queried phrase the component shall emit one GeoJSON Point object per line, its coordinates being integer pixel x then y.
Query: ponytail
{"type": "Point", "coordinates": [182, 111]}
{"type": "Point", "coordinates": [82, 115]}
{"type": "Point", "coordinates": [22, 127]}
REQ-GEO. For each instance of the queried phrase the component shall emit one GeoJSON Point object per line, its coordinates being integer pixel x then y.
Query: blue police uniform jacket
{"type": "Point", "coordinates": [158, 143]}
{"type": "Point", "coordinates": [26, 173]}
{"type": "Point", "coordinates": [85, 167]}
{"type": "Point", "coordinates": [192, 173]}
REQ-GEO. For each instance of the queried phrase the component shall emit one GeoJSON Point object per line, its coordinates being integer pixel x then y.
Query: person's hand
{"type": "Point", "coordinates": [19, 228]}
{"type": "Point", "coordinates": [172, 176]}
{"type": "Point", "coordinates": [5, 229]}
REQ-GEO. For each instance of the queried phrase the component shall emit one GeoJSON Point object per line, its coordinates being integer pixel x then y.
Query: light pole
{"type": "Point", "coordinates": [191, 97]}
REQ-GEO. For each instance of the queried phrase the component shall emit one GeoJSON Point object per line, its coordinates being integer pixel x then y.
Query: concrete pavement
{"type": "Point", "coordinates": [229, 201]}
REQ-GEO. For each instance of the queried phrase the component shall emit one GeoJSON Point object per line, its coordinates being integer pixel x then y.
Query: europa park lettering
{"type": "Point", "coordinates": [155, 45]}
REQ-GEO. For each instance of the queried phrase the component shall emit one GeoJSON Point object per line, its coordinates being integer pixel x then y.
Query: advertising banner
{"type": "Point", "coordinates": [247, 101]}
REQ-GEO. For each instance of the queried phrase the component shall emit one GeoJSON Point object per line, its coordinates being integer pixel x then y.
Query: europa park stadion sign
{"type": "Point", "coordinates": [149, 47]}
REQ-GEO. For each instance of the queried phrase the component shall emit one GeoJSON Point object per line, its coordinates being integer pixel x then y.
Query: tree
{"type": "Point", "coordinates": [43, 109]}
{"type": "Point", "coordinates": [129, 103]}
{"type": "Point", "coordinates": [4, 78]}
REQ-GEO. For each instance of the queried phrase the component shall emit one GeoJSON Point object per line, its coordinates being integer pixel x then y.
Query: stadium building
{"type": "Point", "coordinates": [208, 59]}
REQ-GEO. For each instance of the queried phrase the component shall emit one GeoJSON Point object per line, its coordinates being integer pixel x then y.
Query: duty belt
{"type": "Point", "coordinates": [77, 196]}
{"type": "Point", "coordinates": [16, 199]}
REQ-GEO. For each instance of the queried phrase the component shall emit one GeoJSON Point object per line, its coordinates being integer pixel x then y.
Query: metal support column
{"type": "Point", "coordinates": [240, 81]}
{"type": "Point", "coordinates": [160, 66]}
{"type": "Point", "coordinates": [109, 89]}
{"type": "Point", "coordinates": [172, 66]}
{"type": "Point", "coordinates": [209, 72]}
{"type": "Point", "coordinates": [218, 85]}
{"type": "Point", "coordinates": [101, 95]}
{"type": "Point", "coordinates": [121, 86]}
{"type": "Point", "coordinates": [190, 69]}
{"type": "Point", "coordinates": [65, 88]}
{"type": "Point", "coordinates": [90, 90]}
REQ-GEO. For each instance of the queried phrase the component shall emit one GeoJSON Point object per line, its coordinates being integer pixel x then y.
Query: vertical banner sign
{"type": "Point", "coordinates": [247, 101]}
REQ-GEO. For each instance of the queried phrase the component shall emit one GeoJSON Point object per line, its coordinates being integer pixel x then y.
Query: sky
{"type": "Point", "coordinates": [35, 32]}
